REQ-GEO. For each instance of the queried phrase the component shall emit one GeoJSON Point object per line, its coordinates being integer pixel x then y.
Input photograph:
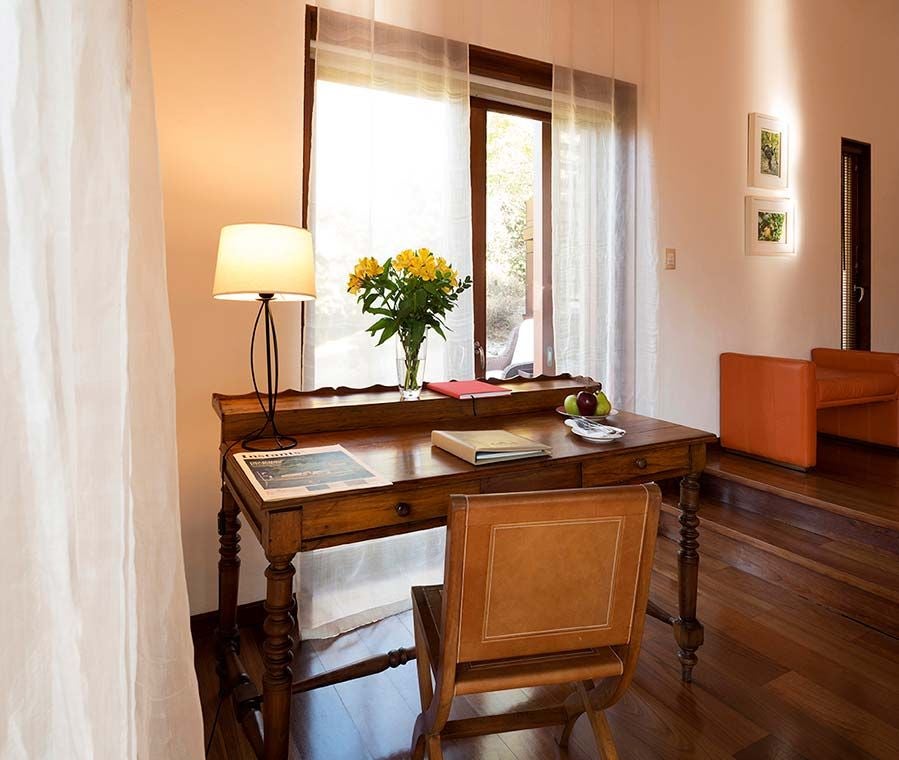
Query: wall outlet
{"type": "Point", "coordinates": [670, 258]}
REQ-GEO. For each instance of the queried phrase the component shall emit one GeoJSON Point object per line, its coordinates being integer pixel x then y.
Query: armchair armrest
{"type": "Point", "coordinates": [856, 361]}
{"type": "Point", "coordinates": [768, 408]}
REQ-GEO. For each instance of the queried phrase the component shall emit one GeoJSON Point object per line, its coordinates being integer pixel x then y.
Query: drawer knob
{"type": "Point", "coordinates": [403, 508]}
{"type": "Point", "coordinates": [641, 463]}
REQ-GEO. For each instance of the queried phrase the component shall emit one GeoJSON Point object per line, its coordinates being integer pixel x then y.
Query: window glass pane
{"type": "Point", "coordinates": [513, 198]}
{"type": "Point", "coordinates": [384, 178]}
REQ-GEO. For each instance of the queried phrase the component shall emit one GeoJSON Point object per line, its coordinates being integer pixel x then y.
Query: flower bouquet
{"type": "Point", "coordinates": [410, 294]}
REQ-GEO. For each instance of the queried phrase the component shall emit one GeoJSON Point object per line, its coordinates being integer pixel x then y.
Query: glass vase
{"type": "Point", "coordinates": [410, 365]}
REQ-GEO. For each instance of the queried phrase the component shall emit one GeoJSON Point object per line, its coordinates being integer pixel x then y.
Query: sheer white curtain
{"type": "Point", "coordinates": [390, 148]}
{"type": "Point", "coordinates": [97, 657]}
{"type": "Point", "coordinates": [605, 259]}
{"type": "Point", "coordinates": [390, 171]}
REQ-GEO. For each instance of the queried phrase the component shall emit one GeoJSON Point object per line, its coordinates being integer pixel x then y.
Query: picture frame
{"type": "Point", "coordinates": [770, 226]}
{"type": "Point", "coordinates": [769, 152]}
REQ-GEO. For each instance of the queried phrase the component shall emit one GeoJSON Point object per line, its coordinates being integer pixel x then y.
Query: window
{"type": "Point", "coordinates": [510, 192]}
{"type": "Point", "coordinates": [510, 319]}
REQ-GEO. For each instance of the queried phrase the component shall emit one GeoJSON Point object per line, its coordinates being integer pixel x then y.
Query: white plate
{"type": "Point", "coordinates": [593, 436]}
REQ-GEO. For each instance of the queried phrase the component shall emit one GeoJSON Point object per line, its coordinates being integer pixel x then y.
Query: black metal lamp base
{"type": "Point", "coordinates": [268, 437]}
{"type": "Point", "coordinates": [269, 443]}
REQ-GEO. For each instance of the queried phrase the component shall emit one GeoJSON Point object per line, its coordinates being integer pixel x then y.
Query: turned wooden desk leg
{"type": "Point", "coordinates": [227, 636]}
{"type": "Point", "coordinates": [688, 630]}
{"type": "Point", "coordinates": [277, 651]}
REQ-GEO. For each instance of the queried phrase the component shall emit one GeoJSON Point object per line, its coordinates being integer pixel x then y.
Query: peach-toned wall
{"type": "Point", "coordinates": [228, 79]}
{"type": "Point", "coordinates": [229, 98]}
{"type": "Point", "coordinates": [831, 68]}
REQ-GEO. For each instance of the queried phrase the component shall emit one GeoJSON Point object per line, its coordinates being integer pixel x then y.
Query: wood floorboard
{"type": "Point", "coordinates": [835, 485]}
{"type": "Point", "coordinates": [873, 735]}
{"type": "Point", "coordinates": [769, 748]}
{"type": "Point", "coordinates": [880, 643]}
{"type": "Point", "coordinates": [848, 564]}
{"type": "Point", "coordinates": [779, 678]}
{"type": "Point", "coordinates": [851, 462]}
{"type": "Point", "coordinates": [811, 582]}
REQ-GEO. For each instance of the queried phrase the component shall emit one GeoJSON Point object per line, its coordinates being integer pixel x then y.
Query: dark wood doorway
{"type": "Point", "coordinates": [855, 244]}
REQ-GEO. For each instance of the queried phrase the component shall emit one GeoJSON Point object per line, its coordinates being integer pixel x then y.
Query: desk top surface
{"type": "Point", "coordinates": [403, 452]}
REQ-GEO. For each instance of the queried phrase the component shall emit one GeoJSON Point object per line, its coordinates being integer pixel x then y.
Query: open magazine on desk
{"type": "Point", "coordinates": [295, 473]}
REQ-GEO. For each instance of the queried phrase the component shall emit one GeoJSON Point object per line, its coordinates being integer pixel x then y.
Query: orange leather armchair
{"type": "Point", "coordinates": [859, 395]}
{"type": "Point", "coordinates": [773, 408]}
{"type": "Point", "coordinates": [768, 408]}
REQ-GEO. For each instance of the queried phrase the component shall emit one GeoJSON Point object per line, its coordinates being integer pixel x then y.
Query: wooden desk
{"type": "Point", "coordinates": [393, 438]}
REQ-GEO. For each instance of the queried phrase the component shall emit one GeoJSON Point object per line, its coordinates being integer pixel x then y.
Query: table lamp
{"type": "Point", "coordinates": [265, 263]}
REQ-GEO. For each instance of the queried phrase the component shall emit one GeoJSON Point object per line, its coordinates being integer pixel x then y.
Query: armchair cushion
{"type": "Point", "coordinates": [839, 387]}
{"type": "Point", "coordinates": [856, 361]}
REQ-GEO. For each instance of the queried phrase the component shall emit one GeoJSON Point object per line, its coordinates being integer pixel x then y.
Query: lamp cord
{"type": "Point", "coordinates": [215, 721]}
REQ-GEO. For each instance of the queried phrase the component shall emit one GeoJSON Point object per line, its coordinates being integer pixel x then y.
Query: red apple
{"type": "Point", "coordinates": [586, 403]}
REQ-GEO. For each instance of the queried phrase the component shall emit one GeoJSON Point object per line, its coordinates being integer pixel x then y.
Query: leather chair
{"type": "Point", "coordinates": [540, 588]}
{"type": "Point", "coordinates": [773, 408]}
{"type": "Point", "coordinates": [858, 395]}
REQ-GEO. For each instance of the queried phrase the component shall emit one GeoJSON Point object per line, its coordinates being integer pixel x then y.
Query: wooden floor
{"type": "Point", "coordinates": [859, 481]}
{"type": "Point", "coordinates": [778, 677]}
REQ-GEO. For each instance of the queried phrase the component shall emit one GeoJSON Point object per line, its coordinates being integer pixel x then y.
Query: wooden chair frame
{"type": "Point", "coordinates": [439, 654]}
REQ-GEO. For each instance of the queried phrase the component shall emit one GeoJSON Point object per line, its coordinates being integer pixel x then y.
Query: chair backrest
{"type": "Point", "coordinates": [547, 572]}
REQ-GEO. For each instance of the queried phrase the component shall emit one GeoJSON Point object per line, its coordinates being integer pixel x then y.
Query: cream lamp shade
{"type": "Point", "coordinates": [255, 259]}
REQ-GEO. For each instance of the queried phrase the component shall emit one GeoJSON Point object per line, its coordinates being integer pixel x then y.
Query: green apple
{"type": "Point", "coordinates": [603, 405]}
{"type": "Point", "coordinates": [571, 405]}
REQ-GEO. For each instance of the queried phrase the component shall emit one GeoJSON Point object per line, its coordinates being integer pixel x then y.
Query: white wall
{"type": "Point", "coordinates": [229, 91]}
{"type": "Point", "coordinates": [831, 68]}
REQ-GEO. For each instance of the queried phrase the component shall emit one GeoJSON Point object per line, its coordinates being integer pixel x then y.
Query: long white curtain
{"type": "Point", "coordinates": [97, 657]}
{"type": "Point", "coordinates": [390, 171]}
{"type": "Point", "coordinates": [605, 259]}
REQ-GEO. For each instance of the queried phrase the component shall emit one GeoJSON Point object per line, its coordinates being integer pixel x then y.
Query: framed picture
{"type": "Point", "coordinates": [770, 226]}
{"type": "Point", "coordinates": [769, 152]}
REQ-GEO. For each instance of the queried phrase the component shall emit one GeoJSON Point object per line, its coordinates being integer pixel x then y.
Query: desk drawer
{"type": "Point", "coordinates": [546, 478]}
{"type": "Point", "coordinates": [353, 513]}
{"type": "Point", "coordinates": [639, 465]}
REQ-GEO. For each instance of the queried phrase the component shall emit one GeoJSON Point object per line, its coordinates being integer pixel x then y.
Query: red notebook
{"type": "Point", "coordinates": [469, 389]}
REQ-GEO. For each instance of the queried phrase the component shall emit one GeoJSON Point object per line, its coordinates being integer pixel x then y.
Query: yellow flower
{"type": "Point", "coordinates": [424, 265]}
{"type": "Point", "coordinates": [403, 260]}
{"type": "Point", "coordinates": [367, 267]}
{"type": "Point", "coordinates": [418, 263]}
{"type": "Point", "coordinates": [353, 284]}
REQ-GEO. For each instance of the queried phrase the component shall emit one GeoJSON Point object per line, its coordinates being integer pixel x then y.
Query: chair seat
{"type": "Point", "coordinates": [838, 387]}
{"type": "Point", "coordinates": [514, 673]}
